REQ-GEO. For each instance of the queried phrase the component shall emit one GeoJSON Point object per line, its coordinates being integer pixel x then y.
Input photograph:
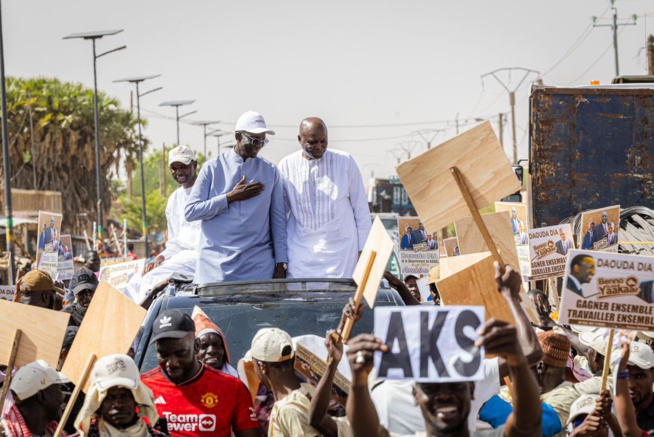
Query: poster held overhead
{"type": "Point", "coordinates": [486, 170]}
{"type": "Point", "coordinates": [548, 250]}
{"type": "Point", "coordinates": [600, 229]}
{"type": "Point", "coordinates": [608, 290]}
{"type": "Point", "coordinates": [429, 343]}
{"type": "Point", "coordinates": [49, 228]}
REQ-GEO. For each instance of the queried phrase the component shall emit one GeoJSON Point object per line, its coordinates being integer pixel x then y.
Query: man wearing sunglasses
{"type": "Point", "coordinates": [239, 197]}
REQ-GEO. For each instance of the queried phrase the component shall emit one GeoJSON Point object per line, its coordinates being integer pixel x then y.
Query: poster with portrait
{"type": "Point", "coordinates": [518, 212]}
{"type": "Point", "coordinates": [451, 246]}
{"type": "Point", "coordinates": [118, 275]}
{"type": "Point", "coordinates": [418, 247]}
{"type": "Point", "coordinates": [599, 229]}
{"type": "Point", "coordinates": [65, 264]}
{"type": "Point", "coordinates": [548, 250]}
{"type": "Point", "coordinates": [47, 254]}
{"type": "Point", "coordinates": [603, 289]}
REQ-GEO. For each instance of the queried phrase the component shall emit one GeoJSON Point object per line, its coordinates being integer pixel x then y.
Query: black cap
{"type": "Point", "coordinates": [172, 324]}
{"type": "Point", "coordinates": [84, 279]}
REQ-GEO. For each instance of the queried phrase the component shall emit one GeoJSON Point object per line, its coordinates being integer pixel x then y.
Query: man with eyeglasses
{"type": "Point", "coordinates": [239, 197]}
{"type": "Point", "coordinates": [329, 215]}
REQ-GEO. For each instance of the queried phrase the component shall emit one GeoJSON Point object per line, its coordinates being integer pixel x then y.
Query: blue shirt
{"type": "Point", "coordinates": [242, 240]}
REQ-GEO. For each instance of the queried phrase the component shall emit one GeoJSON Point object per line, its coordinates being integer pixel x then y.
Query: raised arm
{"type": "Point", "coordinates": [401, 288]}
{"type": "Point", "coordinates": [499, 338]}
{"type": "Point", "coordinates": [509, 287]}
{"type": "Point", "coordinates": [360, 409]}
{"type": "Point", "coordinates": [318, 417]}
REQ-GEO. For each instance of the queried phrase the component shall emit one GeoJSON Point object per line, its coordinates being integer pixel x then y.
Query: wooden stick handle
{"type": "Point", "coordinates": [607, 360]}
{"type": "Point", "coordinates": [10, 368]}
{"type": "Point", "coordinates": [346, 332]}
{"type": "Point", "coordinates": [75, 395]}
{"type": "Point", "coordinates": [456, 174]}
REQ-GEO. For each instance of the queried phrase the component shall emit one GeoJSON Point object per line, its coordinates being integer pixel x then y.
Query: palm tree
{"type": "Point", "coordinates": [51, 131]}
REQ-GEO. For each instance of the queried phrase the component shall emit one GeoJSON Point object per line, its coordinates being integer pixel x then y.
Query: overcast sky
{"type": "Point", "coordinates": [375, 71]}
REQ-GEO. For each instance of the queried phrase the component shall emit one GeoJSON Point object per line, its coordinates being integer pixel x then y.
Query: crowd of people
{"type": "Point", "coordinates": [242, 217]}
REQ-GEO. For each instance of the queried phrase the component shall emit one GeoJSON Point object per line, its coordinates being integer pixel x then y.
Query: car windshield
{"type": "Point", "coordinates": [292, 313]}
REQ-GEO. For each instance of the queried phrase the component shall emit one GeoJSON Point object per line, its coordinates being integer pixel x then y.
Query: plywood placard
{"type": "Point", "coordinates": [454, 264]}
{"type": "Point", "coordinates": [380, 242]}
{"type": "Point", "coordinates": [109, 327]}
{"type": "Point", "coordinates": [475, 285]}
{"type": "Point", "coordinates": [499, 227]}
{"type": "Point", "coordinates": [483, 164]}
{"type": "Point", "coordinates": [43, 332]}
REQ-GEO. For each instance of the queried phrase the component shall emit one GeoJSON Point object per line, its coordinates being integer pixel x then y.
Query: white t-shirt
{"type": "Point", "coordinates": [399, 413]}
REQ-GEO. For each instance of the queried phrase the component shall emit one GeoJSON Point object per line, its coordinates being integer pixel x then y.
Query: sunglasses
{"type": "Point", "coordinates": [256, 142]}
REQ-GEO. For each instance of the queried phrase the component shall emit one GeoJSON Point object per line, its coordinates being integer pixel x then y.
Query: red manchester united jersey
{"type": "Point", "coordinates": [210, 404]}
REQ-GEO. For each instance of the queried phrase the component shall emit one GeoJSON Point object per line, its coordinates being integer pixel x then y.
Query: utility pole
{"type": "Point", "coordinates": [408, 147]}
{"type": "Point", "coordinates": [424, 134]}
{"type": "Point", "coordinates": [650, 55]}
{"type": "Point", "coordinates": [501, 128]}
{"type": "Point", "coordinates": [397, 154]}
{"type": "Point", "coordinates": [526, 72]}
{"type": "Point", "coordinates": [614, 27]}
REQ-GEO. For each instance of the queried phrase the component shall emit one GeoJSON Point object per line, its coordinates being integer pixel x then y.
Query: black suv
{"type": "Point", "coordinates": [240, 309]}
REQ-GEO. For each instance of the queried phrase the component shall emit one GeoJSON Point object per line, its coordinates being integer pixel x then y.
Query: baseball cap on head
{"type": "Point", "coordinates": [172, 324]}
{"type": "Point", "coordinates": [183, 154]}
{"type": "Point", "coordinates": [36, 280]}
{"type": "Point", "coordinates": [595, 340]}
{"type": "Point", "coordinates": [268, 345]}
{"type": "Point", "coordinates": [84, 279]}
{"type": "Point", "coordinates": [252, 122]}
{"type": "Point", "coordinates": [113, 371]}
{"type": "Point", "coordinates": [34, 377]}
{"type": "Point", "coordinates": [641, 355]}
{"type": "Point", "coordinates": [584, 405]}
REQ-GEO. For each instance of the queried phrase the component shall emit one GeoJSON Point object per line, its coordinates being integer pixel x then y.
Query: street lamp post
{"type": "Point", "coordinates": [204, 124]}
{"type": "Point", "coordinates": [177, 104]}
{"type": "Point", "coordinates": [93, 36]}
{"type": "Point", "coordinates": [218, 135]}
{"type": "Point", "coordinates": [137, 80]}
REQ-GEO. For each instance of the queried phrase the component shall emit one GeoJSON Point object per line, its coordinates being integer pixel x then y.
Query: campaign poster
{"type": "Point", "coordinates": [118, 275]}
{"type": "Point", "coordinates": [603, 289]}
{"type": "Point", "coordinates": [418, 247]}
{"type": "Point", "coordinates": [429, 343]}
{"type": "Point", "coordinates": [312, 368]}
{"type": "Point", "coordinates": [451, 246]}
{"type": "Point", "coordinates": [548, 250]}
{"type": "Point", "coordinates": [599, 229]}
{"type": "Point", "coordinates": [7, 292]}
{"type": "Point", "coordinates": [518, 213]}
{"type": "Point", "coordinates": [47, 255]}
{"type": "Point", "coordinates": [65, 264]}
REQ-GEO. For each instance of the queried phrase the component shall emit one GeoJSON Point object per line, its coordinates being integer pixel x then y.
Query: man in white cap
{"type": "Point", "coordinates": [36, 389]}
{"type": "Point", "coordinates": [329, 216]}
{"type": "Point", "coordinates": [110, 405]}
{"type": "Point", "coordinates": [181, 253]}
{"type": "Point", "coordinates": [239, 201]}
{"type": "Point", "coordinates": [274, 358]}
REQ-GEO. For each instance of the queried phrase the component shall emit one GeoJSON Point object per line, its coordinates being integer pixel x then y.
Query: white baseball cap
{"type": "Point", "coordinates": [268, 345]}
{"type": "Point", "coordinates": [34, 377]}
{"type": "Point", "coordinates": [253, 123]}
{"type": "Point", "coordinates": [182, 154]}
{"type": "Point", "coordinates": [595, 340]}
{"type": "Point", "coordinates": [113, 371]}
{"type": "Point", "coordinates": [641, 355]}
{"type": "Point", "coordinates": [584, 405]}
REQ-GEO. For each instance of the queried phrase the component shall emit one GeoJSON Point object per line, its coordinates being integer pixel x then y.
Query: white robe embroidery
{"type": "Point", "coordinates": [329, 218]}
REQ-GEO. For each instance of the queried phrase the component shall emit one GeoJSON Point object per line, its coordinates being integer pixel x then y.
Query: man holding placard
{"type": "Point", "coordinates": [445, 405]}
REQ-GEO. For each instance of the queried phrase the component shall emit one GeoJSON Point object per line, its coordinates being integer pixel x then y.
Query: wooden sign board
{"type": "Point", "coordinates": [43, 333]}
{"type": "Point", "coordinates": [475, 285]}
{"type": "Point", "coordinates": [499, 227]}
{"type": "Point", "coordinates": [379, 242]}
{"type": "Point", "coordinates": [483, 164]}
{"type": "Point", "coordinates": [109, 327]}
{"type": "Point", "coordinates": [454, 264]}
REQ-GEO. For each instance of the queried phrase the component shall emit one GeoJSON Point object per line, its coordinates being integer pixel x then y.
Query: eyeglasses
{"type": "Point", "coordinates": [256, 142]}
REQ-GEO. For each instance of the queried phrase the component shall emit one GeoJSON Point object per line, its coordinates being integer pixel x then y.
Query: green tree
{"type": "Point", "coordinates": [155, 206]}
{"type": "Point", "coordinates": [52, 141]}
